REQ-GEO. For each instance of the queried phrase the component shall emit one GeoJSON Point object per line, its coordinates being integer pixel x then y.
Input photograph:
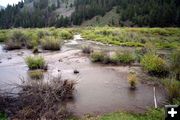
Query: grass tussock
{"type": "Point", "coordinates": [17, 40]}
{"type": "Point", "coordinates": [36, 74]}
{"type": "Point", "coordinates": [87, 50]}
{"type": "Point", "coordinates": [51, 43]}
{"type": "Point", "coordinates": [65, 34]}
{"type": "Point", "coordinates": [30, 38]}
{"type": "Point", "coordinates": [97, 56]}
{"type": "Point", "coordinates": [132, 79]}
{"type": "Point", "coordinates": [124, 58]}
{"type": "Point", "coordinates": [3, 35]}
{"type": "Point", "coordinates": [173, 89]}
{"type": "Point", "coordinates": [40, 100]}
{"type": "Point", "coordinates": [35, 62]}
{"type": "Point", "coordinates": [154, 65]}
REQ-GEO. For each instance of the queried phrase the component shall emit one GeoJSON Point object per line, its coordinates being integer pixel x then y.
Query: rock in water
{"type": "Point", "coordinates": [76, 72]}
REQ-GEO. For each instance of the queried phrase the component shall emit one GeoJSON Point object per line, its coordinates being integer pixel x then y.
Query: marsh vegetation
{"type": "Point", "coordinates": [105, 55]}
{"type": "Point", "coordinates": [35, 62]}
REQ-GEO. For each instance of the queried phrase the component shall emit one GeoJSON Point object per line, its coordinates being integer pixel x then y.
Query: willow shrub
{"type": "Point", "coordinates": [65, 34]}
{"type": "Point", "coordinates": [51, 43]}
{"type": "Point", "coordinates": [173, 89]}
{"type": "Point", "coordinates": [154, 64]}
{"type": "Point", "coordinates": [123, 58]}
{"type": "Point", "coordinates": [97, 56]}
{"type": "Point", "coordinates": [16, 40]}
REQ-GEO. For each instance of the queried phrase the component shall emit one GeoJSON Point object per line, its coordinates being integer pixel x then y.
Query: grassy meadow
{"type": "Point", "coordinates": [137, 37]}
{"type": "Point", "coordinates": [162, 38]}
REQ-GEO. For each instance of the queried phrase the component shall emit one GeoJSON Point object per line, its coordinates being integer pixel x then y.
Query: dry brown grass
{"type": "Point", "coordinates": [39, 100]}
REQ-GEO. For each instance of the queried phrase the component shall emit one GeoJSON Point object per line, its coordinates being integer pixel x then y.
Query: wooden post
{"type": "Point", "coordinates": [155, 100]}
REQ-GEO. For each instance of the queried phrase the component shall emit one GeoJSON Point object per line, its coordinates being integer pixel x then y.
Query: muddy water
{"type": "Point", "coordinates": [100, 89]}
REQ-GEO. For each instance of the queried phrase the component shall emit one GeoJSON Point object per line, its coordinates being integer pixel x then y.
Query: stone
{"type": "Point", "coordinates": [76, 72]}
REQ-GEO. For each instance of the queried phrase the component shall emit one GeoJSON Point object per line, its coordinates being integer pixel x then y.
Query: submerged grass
{"type": "Point", "coordinates": [36, 74]}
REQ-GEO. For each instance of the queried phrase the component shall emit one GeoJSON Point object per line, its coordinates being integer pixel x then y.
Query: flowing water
{"type": "Point", "coordinates": [100, 89]}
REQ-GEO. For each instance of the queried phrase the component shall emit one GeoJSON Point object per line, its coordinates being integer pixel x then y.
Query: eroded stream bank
{"type": "Point", "coordinates": [100, 89]}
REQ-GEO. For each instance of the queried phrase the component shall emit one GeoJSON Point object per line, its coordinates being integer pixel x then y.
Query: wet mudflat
{"type": "Point", "coordinates": [100, 89]}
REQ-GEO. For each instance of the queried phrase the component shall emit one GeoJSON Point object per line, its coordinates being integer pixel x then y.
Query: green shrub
{"type": "Point", "coordinates": [139, 52]}
{"type": "Point", "coordinates": [16, 41]}
{"type": "Point", "coordinates": [87, 49]}
{"type": "Point", "coordinates": [41, 34]}
{"type": "Point", "coordinates": [154, 64]}
{"type": "Point", "coordinates": [150, 48]}
{"type": "Point", "coordinates": [32, 41]}
{"type": "Point", "coordinates": [175, 63]}
{"type": "Point", "coordinates": [50, 43]}
{"type": "Point", "coordinates": [64, 34]}
{"type": "Point", "coordinates": [36, 62]}
{"type": "Point", "coordinates": [118, 58]}
{"type": "Point", "coordinates": [106, 59]}
{"type": "Point", "coordinates": [173, 89]}
{"type": "Point", "coordinates": [123, 58]}
{"type": "Point", "coordinates": [3, 36]}
{"type": "Point", "coordinates": [97, 56]}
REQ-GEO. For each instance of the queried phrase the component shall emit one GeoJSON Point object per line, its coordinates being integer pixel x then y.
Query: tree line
{"type": "Point", "coordinates": [40, 16]}
{"type": "Point", "coordinates": [159, 13]}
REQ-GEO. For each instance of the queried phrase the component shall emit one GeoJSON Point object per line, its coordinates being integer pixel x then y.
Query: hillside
{"type": "Point", "coordinates": [38, 13]}
{"type": "Point", "coordinates": [64, 13]}
{"type": "Point", "coordinates": [56, 7]}
{"type": "Point", "coordinates": [111, 18]}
